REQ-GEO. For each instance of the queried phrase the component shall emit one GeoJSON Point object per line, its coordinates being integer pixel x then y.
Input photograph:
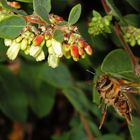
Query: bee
{"type": "Point", "coordinates": [116, 92]}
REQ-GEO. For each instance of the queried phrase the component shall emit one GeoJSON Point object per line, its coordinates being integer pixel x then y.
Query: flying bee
{"type": "Point", "coordinates": [116, 92]}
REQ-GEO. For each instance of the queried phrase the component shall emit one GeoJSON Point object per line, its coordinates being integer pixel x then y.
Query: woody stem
{"type": "Point", "coordinates": [134, 61]}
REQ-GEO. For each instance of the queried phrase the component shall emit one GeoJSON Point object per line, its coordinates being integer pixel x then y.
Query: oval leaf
{"type": "Point", "coordinates": [74, 14]}
{"type": "Point", "coordinates": [42, 13]}
{"type": "Point", "coordinates": [44, 3]}
{"type": "Point", "coordinates": [117, 61]}
{"type": "Point", "coordinates": [78, 99]}
{"type": "Point", "coordinates": [42, 8]}
{"type": "Point", "coordinates": [78, 133]}
{"type": "Point", "coordinates": [11, 27]}
{"type": "Point", "coordinates": [134, 129]}
{"type": "Point", "coordinates": [42, 100]}
{"type": "Point", "coordinates": [135, 4]}
{"type": "Point", "coordinates": [96, 95]}
{"type": "Point", "coordinates": [3, 50]}
{"type": "Point", "coordinates": [13, 99]}
{"type": "Point", "coordinates": [133, 19]}
{"type": "Point", "coordinates": [59, 77]}
{"type": "Point", "coordinates": [110, 137]}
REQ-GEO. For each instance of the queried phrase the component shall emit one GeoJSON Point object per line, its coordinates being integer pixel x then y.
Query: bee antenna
{"type": "Point", "coordinates": [93, 73]}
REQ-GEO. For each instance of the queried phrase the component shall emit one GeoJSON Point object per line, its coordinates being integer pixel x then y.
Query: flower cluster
{"type": "Point", "coordinates": [33, 39]}
{"type": "Point", "coordinates": [26, 43]}
{"type": "Point", "coordinates": [131, 35]}
{"type": "Point", "coordinates": [99, 24]}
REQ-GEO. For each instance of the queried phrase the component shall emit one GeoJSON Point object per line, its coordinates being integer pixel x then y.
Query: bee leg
{"type": "Point", "coordinates": [103, 116]}
{"type": "Point", "coordinates": [128, 118]}
{"type": "Point", "coordinates": [101, 103]}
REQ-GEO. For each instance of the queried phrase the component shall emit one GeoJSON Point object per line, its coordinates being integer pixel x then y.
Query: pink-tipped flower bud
{"type": "Point", "coordinates": [81, 43]}
{"type": "Point", "coordinates": [88, 50]}
{"type": "Point", "coordinates": [81, 51]}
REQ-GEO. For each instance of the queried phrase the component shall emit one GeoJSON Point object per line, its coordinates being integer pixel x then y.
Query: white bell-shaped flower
{"type": "Point", "coordinates": [53, 61]}
{"type": "Point", "coordinates": [7, 42]}
{"type": "Point", "coordinates": [34, 51]}
{"type": "Point", "coordinates": [41, 56]}
{"type": "Point", "coordinates": [37, 53]}
{"type": "Point", "coordinates": [13, 50]}
{"type": "Point", "coordinates": [57, 47]}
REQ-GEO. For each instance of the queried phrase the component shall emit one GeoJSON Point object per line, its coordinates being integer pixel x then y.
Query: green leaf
{"type": "Point", "coordinates": [42, 12]}
{"type": "Point", "coordinates": [11, 27]}
{"type": "Point", "coordinates": [77, 98]}
{"type": "Point", "coordinates": [59, 77]}
{"type": "Point", "coordinates": [44, 3]}
{"type": "Point", "coordinates": [96, 96]}
{"type": "Point", "coordinates": [130, 76]}
{"type": "Point", "coordinates": [30, 74]}
{"type": "Point", "coordinates": [58, 35]}
{"type": "Point", "coordinates": [96, 14]}
{"type": "Point", "coordinates": [132, 19]}
{"type": "Point", "coordinates": [135, 4]}
{"type": "Point", "coordinates": [13, 100]}
{"type": "Point", "coordinates": [40, 95]}
{"type": "Point", "coordinates": [94, 128]}
{"type": "Point", "coordinates": [63, 136]}
{"type": "Point", "coordinates": [117, 62]}
{"type": "Point", "coordinates": [78, 133]}
{"type": "Point", "coordinates": [74, 14]}
{"type": "Point", "coordinates": [3, 50]}
{"type": "Point", "coordinates": [42, 8]}
{"type": "Point", "coordinates": [134, 129]}
{"type": "Point", "coordinates": [115, 11]}
{"type": "Point", "coordinates": [42, 100]}
{"type": "Point", "coordinates": [28, 1]}
{"type": "Point", "coordinates": [110, 137]}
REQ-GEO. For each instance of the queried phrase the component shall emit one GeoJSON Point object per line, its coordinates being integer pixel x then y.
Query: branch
{"type": "Point", "coordinates": [134, 60]}
{"type": "Point", "coordinates": [87, 127]}
{"type": "Point", "coordinates": [34, 19]}
{"type": "Point", "coordinates": [125, 45]}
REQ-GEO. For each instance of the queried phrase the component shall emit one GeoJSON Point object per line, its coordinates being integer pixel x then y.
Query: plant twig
{"type": "Point", "coordinates": [87, 127]}
{"type": "Point", "coordinates": [134, 60]}
{"type": "Point", "coordinates": [125, 45]}
{"type": "Point", "coordinates": [34, 19]}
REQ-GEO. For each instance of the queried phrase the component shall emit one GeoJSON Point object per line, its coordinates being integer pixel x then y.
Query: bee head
{"type": "Point", "coordinates": [102, 81]}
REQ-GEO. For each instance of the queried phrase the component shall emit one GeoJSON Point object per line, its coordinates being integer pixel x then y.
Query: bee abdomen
{"type": "Point", "coordinates": [123, 108]}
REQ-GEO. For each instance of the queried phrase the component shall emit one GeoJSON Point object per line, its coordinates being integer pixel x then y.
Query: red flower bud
{"type": "Point", "coordinates": [75, 51]}
{"type": "Point", "coordinates": [88, 50]}
{"type": "Point", "coordinates": [38, 40]}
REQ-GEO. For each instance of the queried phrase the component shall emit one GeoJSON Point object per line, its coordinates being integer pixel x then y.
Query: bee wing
{"type": "Point", "coordinates": [133, 102]}
{"type": "Point", "coordinates": [132, 88]}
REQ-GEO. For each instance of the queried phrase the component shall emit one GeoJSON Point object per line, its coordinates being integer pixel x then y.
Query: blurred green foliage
{"type": "Point", "coordinates": [28, 87]}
